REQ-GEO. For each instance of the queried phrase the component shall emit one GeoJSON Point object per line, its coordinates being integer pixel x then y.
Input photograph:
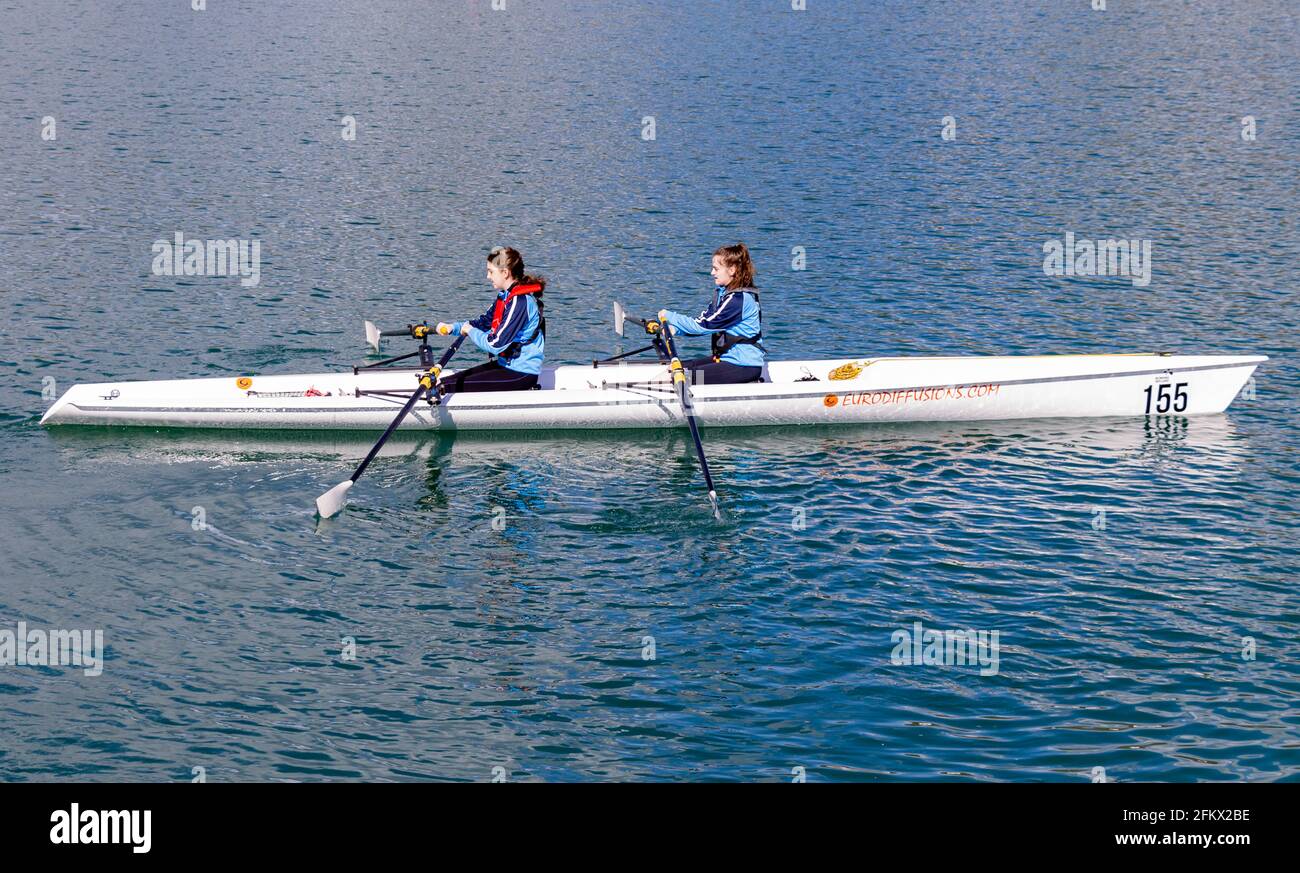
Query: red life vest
{"type": "Point", "coordinates": [517, 291]}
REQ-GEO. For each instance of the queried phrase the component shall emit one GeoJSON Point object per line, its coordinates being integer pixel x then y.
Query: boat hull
{"type": "Point", "coordinates": [841, 391]}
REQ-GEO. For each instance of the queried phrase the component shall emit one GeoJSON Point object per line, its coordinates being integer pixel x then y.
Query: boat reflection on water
{"type": "Point", "coordinates": [1204, 445]}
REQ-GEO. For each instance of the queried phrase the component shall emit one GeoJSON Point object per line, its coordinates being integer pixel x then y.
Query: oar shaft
{"type": "Point", "coordinates": [428, 381]}
{"type": "Point", "coordinates": [613, 358]}
{"type": "Point", "coordinates": [436, 370]}
{"type": "Point", "coordinates": [391, 427]}
{"type": "Point", "coordinates": [695, 436]}
{"type": "Point", "coordinates": [331, 502]}
{"type": "Point", "coordinates": [684, 396]}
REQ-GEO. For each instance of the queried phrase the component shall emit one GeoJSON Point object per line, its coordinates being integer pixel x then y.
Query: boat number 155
{"type": "Point", "coordinates": [1165, 398]}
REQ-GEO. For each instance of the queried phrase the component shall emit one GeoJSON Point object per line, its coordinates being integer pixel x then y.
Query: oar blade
{"type": "Point", "coordinates": [620, 316]}
{"type": "Point", "coordinates": [372, 335]}
{"type": "Point", "coordinates": [331, 502]}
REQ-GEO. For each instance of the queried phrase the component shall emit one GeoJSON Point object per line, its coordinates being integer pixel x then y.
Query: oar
{"type": "Point", "coordinates": [373, 334]}
{"type": "Point", "coordinates": [329, 503]}
{"type": "Point", "coordinates": [684, 397]}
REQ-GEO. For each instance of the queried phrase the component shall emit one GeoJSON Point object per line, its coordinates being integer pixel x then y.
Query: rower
{"type": "Point", "coordinates": [734, 320]}
{"type": "Point", "coordinates": [512, 331]}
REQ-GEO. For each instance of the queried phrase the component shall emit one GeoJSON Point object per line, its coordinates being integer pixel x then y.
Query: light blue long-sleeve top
{"type": "Point", "coordinates": [735, 312]}
{"type": "Point", "coordinates": [519, 322]}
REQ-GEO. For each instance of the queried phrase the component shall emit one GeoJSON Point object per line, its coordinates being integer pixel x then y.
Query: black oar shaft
{"type": "Point", "coordinates": [391, 427]}
{"type": "Point", "coordinates": [613, 358]}
{"type": "Point", "coordinates": [431, 379]}
{"type": "Point", "coordinates": [695, 436]}
{"type": "Point", "coordinates": [683, 395]}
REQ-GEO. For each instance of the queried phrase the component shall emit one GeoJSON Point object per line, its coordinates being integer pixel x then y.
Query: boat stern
{"type": "Point", "coordinates": [68, 408]}
{"type": "Point", "coordinates": [57, 413]}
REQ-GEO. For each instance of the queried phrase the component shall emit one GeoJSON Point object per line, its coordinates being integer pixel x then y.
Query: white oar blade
{"type": "Point", "coordinates": [331, 502]}
{"type": "Point", "coordinates": [620, 315]}
{"type": "Point", "coordinates": [372, 335]}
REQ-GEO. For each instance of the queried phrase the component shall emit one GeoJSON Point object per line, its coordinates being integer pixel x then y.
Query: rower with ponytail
{"type": "Point", "coordinates": [732, 319]}
{"type": "Point", "coordinates": [512, 331]}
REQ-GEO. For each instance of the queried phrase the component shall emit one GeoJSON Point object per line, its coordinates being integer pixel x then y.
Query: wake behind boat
{"type": "Point", "coordinates": [625, 395]}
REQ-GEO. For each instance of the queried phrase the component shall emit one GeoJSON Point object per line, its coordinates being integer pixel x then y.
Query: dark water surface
{"type": "Point", "coordinates": [501, 591]}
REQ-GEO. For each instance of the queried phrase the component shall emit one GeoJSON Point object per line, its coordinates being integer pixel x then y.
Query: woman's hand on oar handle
{"type": "Point", "coordinates": [447, 329]}
{"type": "Point", "coordinates": [659, 323]}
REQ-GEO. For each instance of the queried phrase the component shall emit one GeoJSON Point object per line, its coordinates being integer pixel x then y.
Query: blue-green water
{"type": "Point", "coordinates": [504, 595]}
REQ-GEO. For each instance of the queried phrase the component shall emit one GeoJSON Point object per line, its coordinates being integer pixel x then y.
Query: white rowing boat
{"type": "Point", "coordinates": [616, 393]}
{"type": "Point", "coordinates": [625, 395]}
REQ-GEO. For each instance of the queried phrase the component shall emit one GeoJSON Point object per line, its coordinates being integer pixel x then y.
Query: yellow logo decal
{"type": "Point", "coordinates": [244, 383]}
{"type": "Point", "coordinates": [845, 371]}
{"type": "Point", "coordinates": [830, 401]}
